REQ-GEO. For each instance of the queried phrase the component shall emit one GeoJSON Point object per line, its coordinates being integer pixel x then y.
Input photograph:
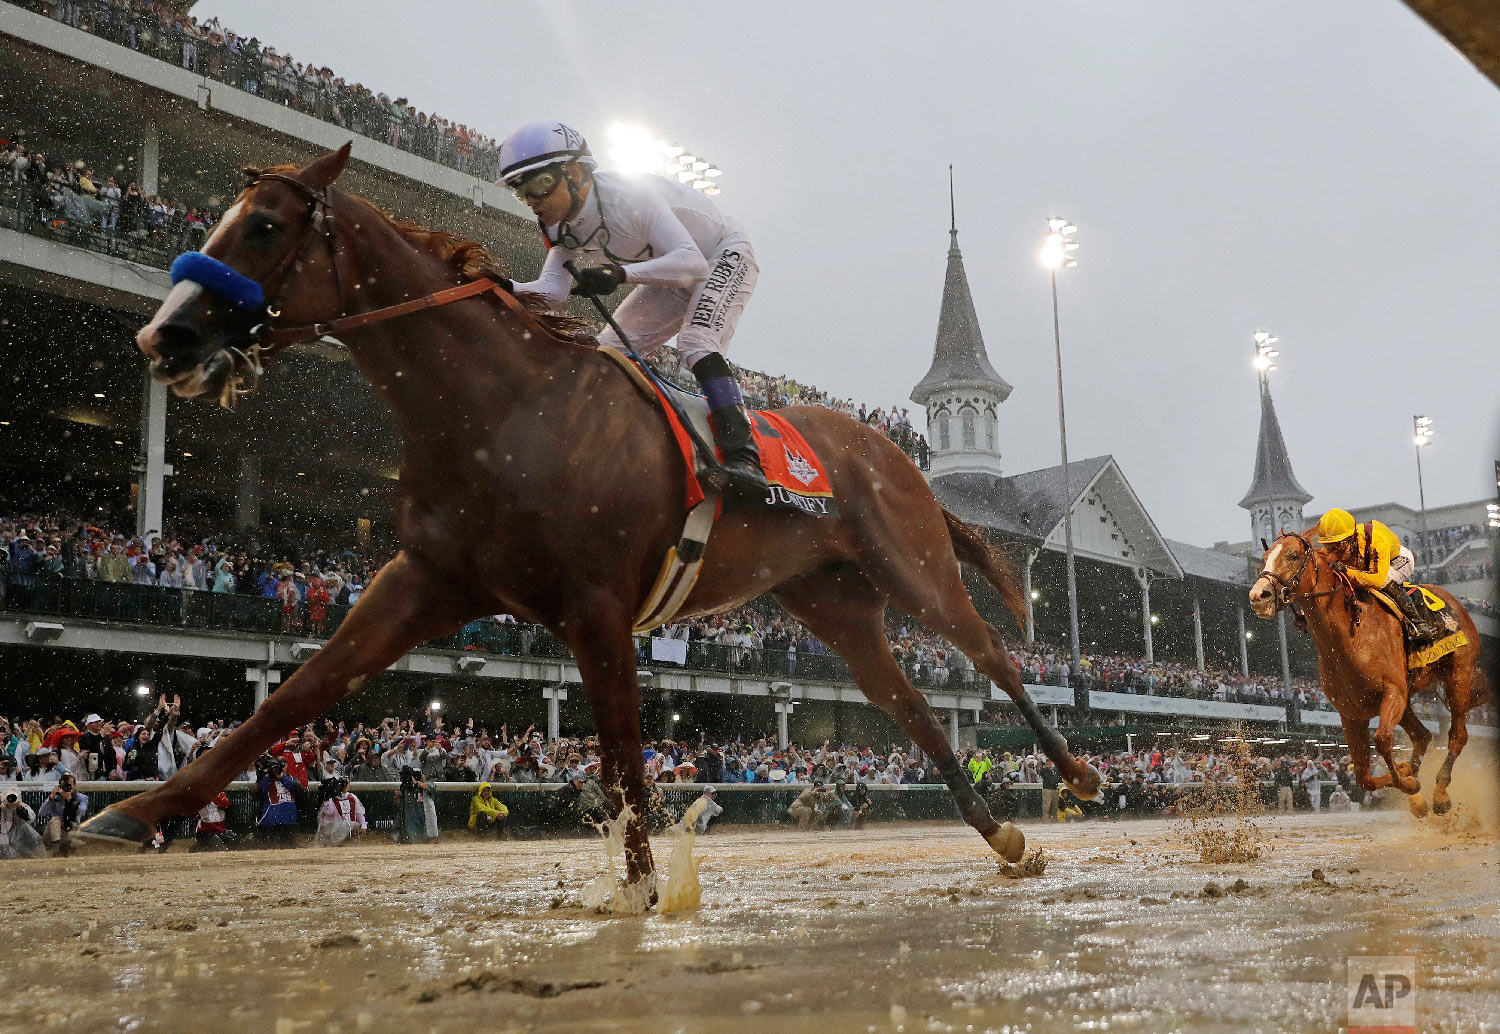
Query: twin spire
{"type": "Point", "coordinates": [959, 359]}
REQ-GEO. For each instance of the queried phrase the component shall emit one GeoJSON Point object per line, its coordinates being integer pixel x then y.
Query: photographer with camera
{"type": "Point", "coordinates": [278, 802]}
{"type": "Point", "coordinates": [17, 837]}
{"type": "Point", "coordinates": [341, 816]}
{"type": "Point", "coordinates": [418, 814]}
{"type": "Point", "coordinates": [65, 807]}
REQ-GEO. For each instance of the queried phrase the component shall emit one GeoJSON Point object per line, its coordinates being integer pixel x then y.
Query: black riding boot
{"type": "Point", "coordinates": [731, 422]}
{"type": "Point", "coordinates": [1408, 604]}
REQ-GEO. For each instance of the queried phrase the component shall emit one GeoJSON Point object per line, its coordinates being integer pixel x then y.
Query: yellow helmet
{"type": "Point", "coordinates": [1335, 526]}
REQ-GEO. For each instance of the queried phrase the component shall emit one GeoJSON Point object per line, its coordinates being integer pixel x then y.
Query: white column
{"type": "Point", "coordinates": [1144, 577]}
{"type": "Point", "coordinates": [783, 708]}
{"type": "Point", "coordinates": [1198, 630]}
{"type": "Point", "coordinates": [152, 468]}
{"type": "Point", "coordinates": [1286, 661]}
{"type": "Point", "coordinates": [554, 695]}
{"type": "Point", "coordinates": [263, 679]}
{"type": "Point", "coordinates": [150, 178]}
{"type": "Point", "coordinates": [953, 729]}
{"type": "Point", "coordinates": [1239, 616]}
{"type": "Point", "coordinates": [1031, 555]}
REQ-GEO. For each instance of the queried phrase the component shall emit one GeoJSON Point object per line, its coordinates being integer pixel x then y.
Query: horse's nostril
{"type": "Point", "coordinates": [175, 340]}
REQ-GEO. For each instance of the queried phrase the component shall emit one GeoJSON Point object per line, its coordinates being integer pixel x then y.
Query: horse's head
{"type": "Point", "coordinates": [202, 340]}
{"type": "Point", "coordinates": [1285, 564]}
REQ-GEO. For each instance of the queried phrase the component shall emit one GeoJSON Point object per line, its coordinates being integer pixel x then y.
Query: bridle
{"type": "Point", "coordinates": [1289, 591]}
{"type": "Point", "coordinates": [266, 339]}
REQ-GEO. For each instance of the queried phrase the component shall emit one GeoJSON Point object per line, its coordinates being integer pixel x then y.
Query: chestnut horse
{"type": "Point", "coordinates": [1363, 668]}
{"type": "Point", "coordinates": [536, 481]}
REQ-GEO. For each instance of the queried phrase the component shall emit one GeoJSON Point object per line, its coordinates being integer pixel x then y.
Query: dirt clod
{"type": "Point", "coordinates": [339, 940]}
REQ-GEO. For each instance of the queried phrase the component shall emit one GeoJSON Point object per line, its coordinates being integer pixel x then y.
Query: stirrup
{"type": "Point", "coordinates": [723, 477]}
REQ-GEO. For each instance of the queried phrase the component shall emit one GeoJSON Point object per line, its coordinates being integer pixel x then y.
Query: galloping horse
{"type": "Point", "coordinates": [538, 482]}
{"type": "Point", "coordinates": [1363, 667]}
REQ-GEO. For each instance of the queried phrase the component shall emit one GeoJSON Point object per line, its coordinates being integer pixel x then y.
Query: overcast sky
{"type": "Point", "coordinates": [1326, 170]}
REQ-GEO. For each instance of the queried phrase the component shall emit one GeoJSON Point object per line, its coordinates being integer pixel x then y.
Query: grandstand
{"type": "Point", "coordinates": [305, 470]}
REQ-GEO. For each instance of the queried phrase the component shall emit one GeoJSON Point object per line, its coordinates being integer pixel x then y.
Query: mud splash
{"type": "Point", "coordinates": [682, 891]}
{"type": "Point", "coordinates": [1225, 818]}
{"type": "Point", "coordinates": [608, 892]}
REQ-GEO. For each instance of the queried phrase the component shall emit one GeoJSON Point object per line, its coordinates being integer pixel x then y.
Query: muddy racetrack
{"type": "Point", "coordinates": [894, 928]}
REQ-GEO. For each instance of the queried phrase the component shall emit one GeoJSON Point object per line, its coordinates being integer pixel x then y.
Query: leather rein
{"type": "Point", "coordinates": [267, 339]}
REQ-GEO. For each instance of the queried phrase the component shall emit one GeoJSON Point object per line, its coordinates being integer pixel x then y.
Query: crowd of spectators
{"type": "Point", "coordinates": [311, 770]}
{"type": "Point", "coordinates": [68, 196]}
{"type": "Point", "coordinates": [313, 585]}
{"type": "Point", "coordinates": [207, 48]}
{"type": "Point", "coordinates": [1452, 573]}
{"type": "Point", "coordinates": [305, 581]}
{"type": "Point", "coordinates": [1050, 665]}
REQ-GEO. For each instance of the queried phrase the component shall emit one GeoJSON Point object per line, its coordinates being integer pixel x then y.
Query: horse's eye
{"type": "Point", "coordinates": [262, 229]}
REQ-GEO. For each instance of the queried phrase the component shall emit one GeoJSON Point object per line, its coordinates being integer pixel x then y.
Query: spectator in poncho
{"type": "Point", "coordinates": [486, 813]}
{"type": "Point", "coordinates": [17, 837]}
{"type": "Point", "coordinates": [341, 817]}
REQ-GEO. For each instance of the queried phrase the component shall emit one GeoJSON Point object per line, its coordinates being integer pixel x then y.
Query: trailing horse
{"type": "Point", "coordinates": [1362, 663]}
{"type": "Point", "coordinates": [537, 481]}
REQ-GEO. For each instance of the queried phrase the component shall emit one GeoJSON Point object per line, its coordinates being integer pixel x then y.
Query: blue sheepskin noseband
{"type": "Point", "coordinates": [214, 276]}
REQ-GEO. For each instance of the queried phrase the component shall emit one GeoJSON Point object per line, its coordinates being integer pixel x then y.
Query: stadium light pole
{"type": "Point", "coordinates": [1057, 253]}
{"type": "Point", "coordinates": [1421, 436]}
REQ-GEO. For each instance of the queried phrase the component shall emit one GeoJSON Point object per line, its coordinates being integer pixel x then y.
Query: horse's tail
{"type": "Point", "coordinates": [991, 563]}
{"type": "Point", "coordinates": [1481, 693]}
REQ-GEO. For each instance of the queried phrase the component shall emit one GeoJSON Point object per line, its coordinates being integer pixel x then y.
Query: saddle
{"type": "Point", "coordinates": [797, 478]}
{"type": "Point", "coordinates": [1436, 637]}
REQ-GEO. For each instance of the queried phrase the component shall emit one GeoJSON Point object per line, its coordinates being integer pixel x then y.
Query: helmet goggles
{"type": "Point", "coordinates": [538, 185]}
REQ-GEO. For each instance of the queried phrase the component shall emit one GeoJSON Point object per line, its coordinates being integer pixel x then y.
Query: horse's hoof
{"type": "Point", "coordinates": [113, 830]}
{"type": "Point", "coordinates": [1442, 805]}
{"type": "Point", "coordinates": [1087, 788]}
{"type": "Point", "coordinates": [1009, 842]}
{"type": "Point", "coordinates": [1417, 805]}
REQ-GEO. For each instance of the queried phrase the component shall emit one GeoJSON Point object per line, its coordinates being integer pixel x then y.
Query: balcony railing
{"type": "Point", "coordinates": [99, 230]}
{"type": "Point", "coordinates": [230, 612]}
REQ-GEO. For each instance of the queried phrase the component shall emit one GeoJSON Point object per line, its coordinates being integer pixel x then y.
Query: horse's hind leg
{"type": "Point", "coordinates": [932, 591]}
{"type": "Point", "coordinates": [844, 610]}
{"type": "Point", "coordinates": [1457, 687]}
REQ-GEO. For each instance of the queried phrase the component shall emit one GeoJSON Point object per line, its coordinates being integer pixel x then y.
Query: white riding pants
{"type": "Point", "coordinates": [1403, 568]}
{"type": "Point", "coordinates": [703, 318]}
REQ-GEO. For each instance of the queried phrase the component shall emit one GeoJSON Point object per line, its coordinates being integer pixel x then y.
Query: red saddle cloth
{"type": "Point", "coordinates": [798, 478]}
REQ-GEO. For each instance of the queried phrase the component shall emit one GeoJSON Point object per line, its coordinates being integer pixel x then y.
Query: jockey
{"type": "Point", "coordinates": [1372, 556]}
{"type": "Point", "coordinates": [694, 266]}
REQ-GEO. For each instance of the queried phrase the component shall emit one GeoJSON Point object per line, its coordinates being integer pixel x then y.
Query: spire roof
{"type": "Point", "coordinates": [1274, 480]}
{"type": "Point", "coordinates": [958, 357]}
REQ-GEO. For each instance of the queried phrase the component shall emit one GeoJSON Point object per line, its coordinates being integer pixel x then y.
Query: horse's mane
{"type": "Point", "coordinates": [470, 259]}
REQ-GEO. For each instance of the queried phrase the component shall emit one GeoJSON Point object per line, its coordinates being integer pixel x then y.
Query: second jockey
{"type": "Point", "coordinates": [692, 266]}
{"type": "Point", "coordinates": [1372, 556]}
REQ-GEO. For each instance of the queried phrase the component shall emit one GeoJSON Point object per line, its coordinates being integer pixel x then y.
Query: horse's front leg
{"type": "Point", "coordinates": [1393, 705]}
{"type": "Point", "coordinates": [600, 637]}
{"type": "Point", "coordinates": [406, 604]}
{"type": "Point", "coordinates": [1357, 736]}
